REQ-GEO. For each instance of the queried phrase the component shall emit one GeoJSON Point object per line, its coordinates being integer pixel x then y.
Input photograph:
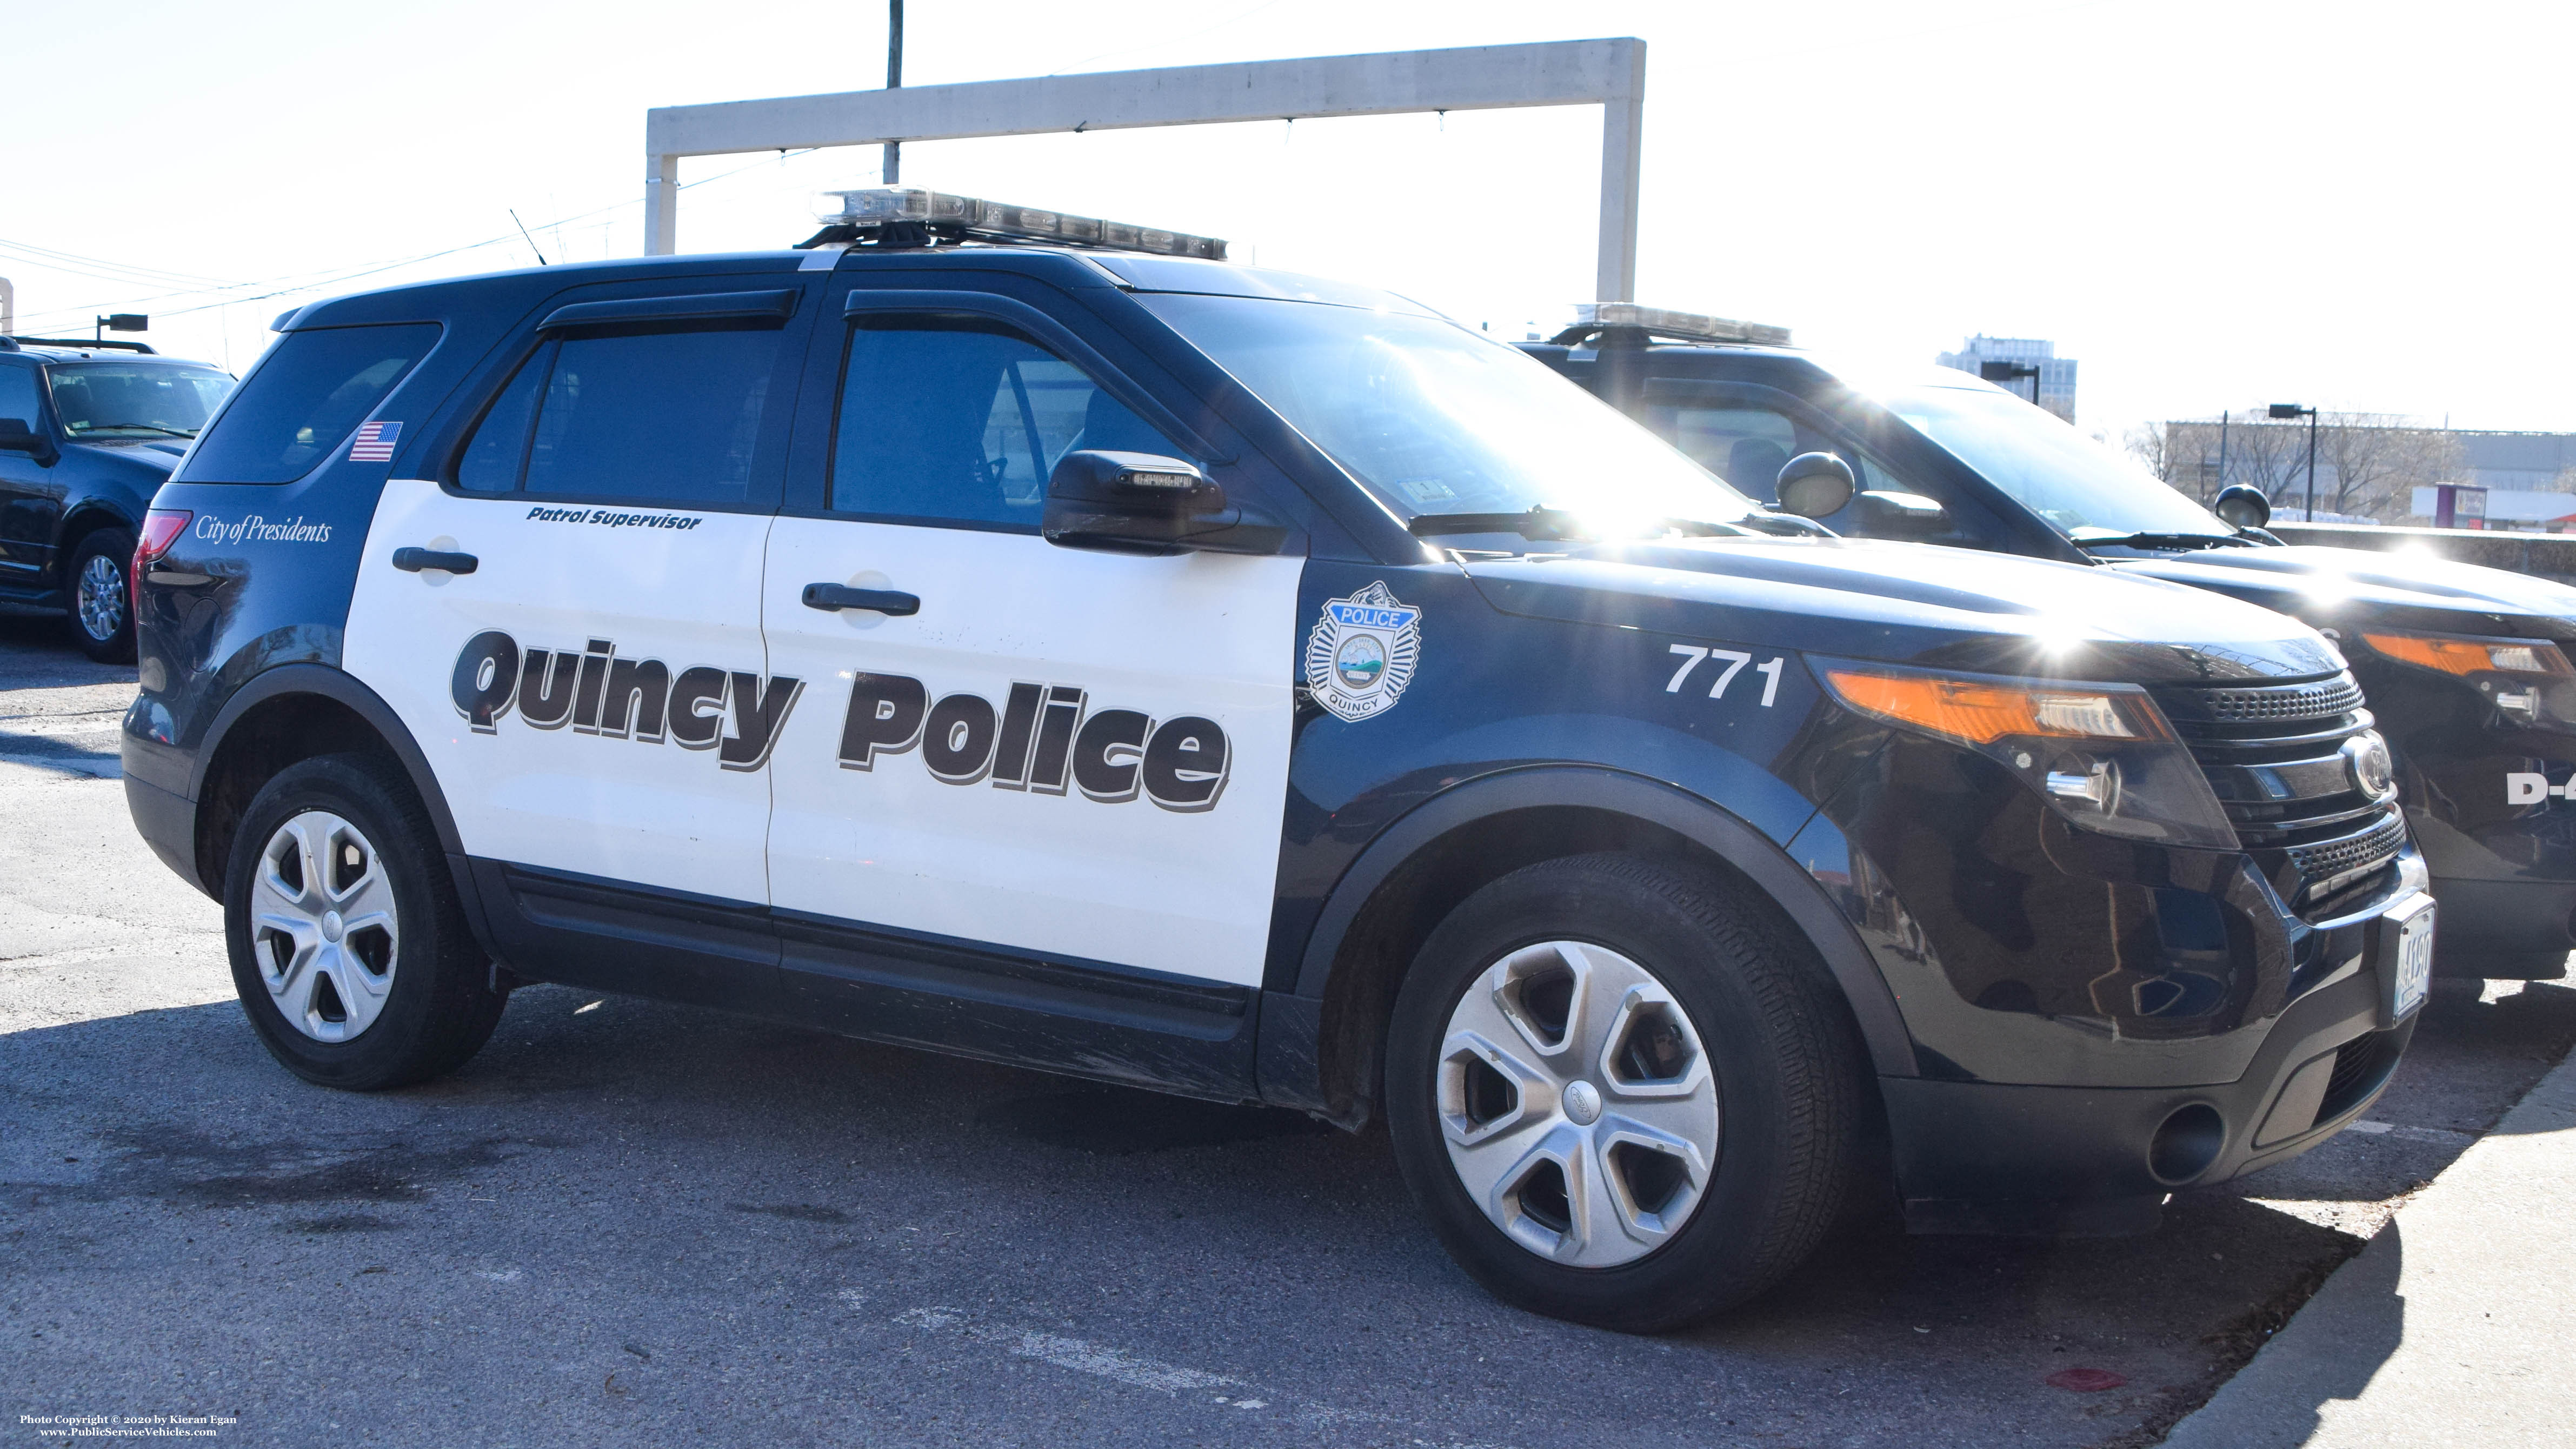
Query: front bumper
{"type": "Point", "coordinates": [1999, 1158]}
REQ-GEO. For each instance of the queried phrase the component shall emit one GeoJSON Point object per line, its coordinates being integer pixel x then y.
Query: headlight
{"type": "Point", "coordinates": [2102, 754]}
{"type": "Point", "coordinates": [2527, 680]}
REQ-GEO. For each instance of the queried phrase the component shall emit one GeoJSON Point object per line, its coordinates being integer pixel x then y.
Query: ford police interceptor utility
{"type": "Point", "coordinates": [1093, 656]}
{"type": "Point", "coordinates": [2466, 667]}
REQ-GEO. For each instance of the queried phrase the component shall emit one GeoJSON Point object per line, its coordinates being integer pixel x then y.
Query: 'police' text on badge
{"type": "Point", "coordinates": [1362, 653]}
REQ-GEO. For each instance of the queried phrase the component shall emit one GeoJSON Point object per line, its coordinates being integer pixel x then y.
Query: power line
{"type": "Point", "coordinates": [334, 277]}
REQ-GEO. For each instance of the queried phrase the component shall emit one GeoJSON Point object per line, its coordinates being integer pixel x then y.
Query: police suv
{"type": "Point", "coordinates": [2466, 667]}
{"type": "Point", "coordinates": [1029, 637]}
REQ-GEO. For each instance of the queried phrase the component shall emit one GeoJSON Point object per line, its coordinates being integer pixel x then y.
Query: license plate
{"type": "Point", "coordinates": [2406, 963]}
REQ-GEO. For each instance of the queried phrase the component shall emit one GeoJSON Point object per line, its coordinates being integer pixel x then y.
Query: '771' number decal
{"type": "Point", "coordinates": [1735, 659]}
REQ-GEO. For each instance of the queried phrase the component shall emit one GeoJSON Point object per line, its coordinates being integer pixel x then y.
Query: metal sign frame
{"type": "Point", "coordinates": [1607, 73]}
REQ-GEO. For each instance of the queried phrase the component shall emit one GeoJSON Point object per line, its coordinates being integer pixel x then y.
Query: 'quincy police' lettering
{"type": "Point", "coordinates": [1044, 739]}
{"type": "Point", "coordinates": [598, 693]}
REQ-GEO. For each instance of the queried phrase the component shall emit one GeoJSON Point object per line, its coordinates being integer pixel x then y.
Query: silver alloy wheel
{"type": "Point", "coordinates": [101, 598]}
{"type": "Point", "coordinates": [1578, 1104]}
{"type": "Point", "coordinates": [323, 926]}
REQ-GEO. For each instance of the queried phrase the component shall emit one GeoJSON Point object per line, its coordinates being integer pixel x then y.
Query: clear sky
{"type": "Point", "coordinates": [2208, 202]}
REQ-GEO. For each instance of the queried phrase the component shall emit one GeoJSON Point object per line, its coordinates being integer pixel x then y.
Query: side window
{"type": "Point", "coordinates": [961, 420]}
{"type": "Point", "coordinates": [308, 394]}
{"type": "Point", "coordinates": [665, 417]}
{"type": "Point", "coordinates": [18, 395]}
{"type": "Point", "coordinates": [1746, 446]}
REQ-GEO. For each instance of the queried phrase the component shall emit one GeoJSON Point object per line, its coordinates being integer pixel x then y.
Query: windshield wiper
{"type": "Point", "coordinates": [1550, 524]}
{"type": "Point", "coordinates": [143, 427]}
{"type": "Point", "coordinates": [2159, 540]}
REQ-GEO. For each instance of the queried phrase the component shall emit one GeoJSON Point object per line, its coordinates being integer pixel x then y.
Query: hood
{"type": "Point", "coordinates": [2331, 587]}
{"type": "Point", "coordinates": [146, 461]}
{"type": "Point", "coordinates": [1912, 603]}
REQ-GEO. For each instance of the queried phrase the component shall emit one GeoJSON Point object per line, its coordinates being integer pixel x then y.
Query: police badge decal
{"type": "Point", "coordinates": [1362, 653]}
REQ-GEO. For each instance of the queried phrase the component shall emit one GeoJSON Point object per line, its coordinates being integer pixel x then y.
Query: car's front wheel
{"type": "Point", "coordinates": [1622, 1094]}
{"type": "Point", "coordinates": [349, 949]}
{"type": "Point", "coordinates": [102, 596]}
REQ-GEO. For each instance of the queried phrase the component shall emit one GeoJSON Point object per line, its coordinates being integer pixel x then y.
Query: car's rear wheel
{"type": "Point", "coordinates": [102, 596]}
{"type": "Point", "coordinates": [1622, 1094]}
{"type": "Point", "coordinates": [349, 949]}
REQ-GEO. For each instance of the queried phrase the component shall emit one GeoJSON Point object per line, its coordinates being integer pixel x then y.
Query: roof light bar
{"type": "Point", "coordinates": [1666, 323]}
{"type": "Point", "coordinates": [958, 218]}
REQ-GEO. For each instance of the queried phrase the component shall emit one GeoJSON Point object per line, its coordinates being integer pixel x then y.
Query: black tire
{"type": "Point", "coordinates": [440, 1006]}
{"type": "Point", "coordinates": [113, 608]}
{"type": "Point", "coordinates": [1778, 1040]}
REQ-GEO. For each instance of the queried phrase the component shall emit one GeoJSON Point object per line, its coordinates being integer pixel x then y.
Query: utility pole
{"type": "Point", "coordinates": [2222, 454]}
{"type": "Point", "coordinates": [2287, 411]}
{"type": "Point", "coordinates": [894, 82]}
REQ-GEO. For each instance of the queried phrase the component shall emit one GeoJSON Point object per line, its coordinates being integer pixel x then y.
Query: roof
{"type": "Point", "coordinates": [45, 349]}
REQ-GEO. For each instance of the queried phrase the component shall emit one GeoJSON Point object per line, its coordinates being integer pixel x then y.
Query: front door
{"type": "Point", "coordinates": [1073, 761]}
{"type": "Point", "coordinates": [31, 500]}
{"type": "Point", "coordinates": [593, 694]}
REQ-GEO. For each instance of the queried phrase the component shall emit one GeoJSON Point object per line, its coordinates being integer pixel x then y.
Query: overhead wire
{"type": "Point", "coordinates": [331, 277]}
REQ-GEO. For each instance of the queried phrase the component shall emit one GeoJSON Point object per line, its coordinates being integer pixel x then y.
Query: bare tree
{"type": "Point", "coordinates": [2367, 464]}
{"type": "Point", "coordinates": [2377, 462]}
{"type": "Point", "coordinates": [2157, 445]}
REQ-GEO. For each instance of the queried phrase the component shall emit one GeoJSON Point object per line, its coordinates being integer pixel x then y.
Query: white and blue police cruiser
{"type": "Point", "coordinates": [1025, 636]}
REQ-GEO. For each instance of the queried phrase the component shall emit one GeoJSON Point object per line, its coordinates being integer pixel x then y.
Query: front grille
{"type": "Point", "coordinates": [2322, 700]}
{"type": "Point", "coordinates": [2274, 754]}
{"type": "Point", "coordinates": [2329, 864]}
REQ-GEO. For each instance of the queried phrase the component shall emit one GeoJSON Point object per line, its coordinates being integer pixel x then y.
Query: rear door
{"type": "Point", "coordinates": [567, 615]}
{"type": "Point", "coordinates": [1064, 772]}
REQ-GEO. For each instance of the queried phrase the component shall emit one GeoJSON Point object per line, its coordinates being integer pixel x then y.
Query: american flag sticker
{"type": "Point", "coordinates": [375, 443]}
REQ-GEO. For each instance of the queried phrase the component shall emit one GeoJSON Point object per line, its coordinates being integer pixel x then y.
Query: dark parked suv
{"type": "Point", "coordinates": [87, 431]}
{"type": "Point", "coordinates": [1100, 658]}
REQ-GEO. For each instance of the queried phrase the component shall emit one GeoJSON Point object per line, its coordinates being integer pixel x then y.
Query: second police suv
{"type": "Point", "coordinates": [1029, 637]}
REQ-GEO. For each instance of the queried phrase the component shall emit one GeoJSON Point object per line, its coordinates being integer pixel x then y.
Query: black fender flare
{"type": "Point", "coordinates": [1617, 792]}
{"type": "Point", "coordinates": [343, 688]}
{"type": "Point", "coordinates": [340, 687]}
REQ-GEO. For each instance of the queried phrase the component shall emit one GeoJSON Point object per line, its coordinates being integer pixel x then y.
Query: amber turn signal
{"type": "Point", "coordinates": [1980, 712]}
{"type": "Point", "coordinates": [2472, 656]}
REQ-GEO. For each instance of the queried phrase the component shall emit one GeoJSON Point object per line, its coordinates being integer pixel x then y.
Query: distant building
{"type": "Point", "coordinates": [2056, 374]}
{"type": "Point", "coordinates": [2534, 462]}
{"type": "Point", "coordinates": [2530, 477]}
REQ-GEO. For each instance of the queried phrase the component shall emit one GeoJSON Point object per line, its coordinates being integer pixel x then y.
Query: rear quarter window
{"type": "Point", "coordinates": [304, 400]}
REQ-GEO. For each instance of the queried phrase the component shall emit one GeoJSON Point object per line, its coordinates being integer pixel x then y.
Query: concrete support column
{"type": "Point", "coordinates": [661, 205]}
{"type": "Point", "coordinates": [1623, 134]}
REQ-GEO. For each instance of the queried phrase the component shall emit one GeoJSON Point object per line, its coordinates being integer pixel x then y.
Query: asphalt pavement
{"type": "Point", "coordinates": [629, 1223]}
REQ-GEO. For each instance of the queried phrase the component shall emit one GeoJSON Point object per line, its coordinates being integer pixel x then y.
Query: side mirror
{"type": "Point", "coordinates": [17, 437]}
{"type": "Point", "coordinates": [1814, 485]}
{"type": "Point", "coordinates": [1147, 503]}
{"type": "Point", "coordinates": [1901, 515]}
{"type": "Point", "coordinates": [2241, 506]}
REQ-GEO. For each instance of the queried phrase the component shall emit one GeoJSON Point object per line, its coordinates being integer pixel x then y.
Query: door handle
{"type": "Point", "coordinates": [835, 597]}
{"type": "Point", "coordinates": [413, 560]}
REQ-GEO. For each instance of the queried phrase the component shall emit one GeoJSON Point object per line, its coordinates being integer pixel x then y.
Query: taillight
{"type": "Point", "coordinates": [161, 528]}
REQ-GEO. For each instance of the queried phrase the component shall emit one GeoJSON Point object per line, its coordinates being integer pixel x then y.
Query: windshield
{"type": "Point", "coordinates": [126, 400]}
{"type": "Point", "coordinates": [2075, 483]}
{"type": "Point", "coordinates": [1437, 420]}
